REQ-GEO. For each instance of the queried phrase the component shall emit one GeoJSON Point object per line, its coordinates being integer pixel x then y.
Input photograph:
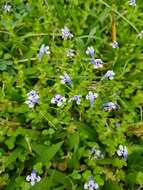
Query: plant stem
{"type": "Point", "coordinates": [114, 34]}
{"type": "Point", "coordinates": [140, 187]}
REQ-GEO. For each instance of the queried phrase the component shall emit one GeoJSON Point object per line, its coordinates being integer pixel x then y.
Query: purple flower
{"type": "Point", "coordinates": [91, 185]}
{"type": "Point", "coordinates": [97, 63]}
{"type": "Point", "coordinates": [132, 2]}
{"type": "Point", "coordinates": [65, 79]}
{"type": "Point", "coordinates": [32, 98]}
{"type": "Point", "coordinates": [66, 33]}
{"type": "Point", "coordinates": [90, 51]}
{"type": "Point", "coordinates": [91, 96]}
{"type": "Point", "coordinates": [43, 50]}
{"type": "Point", "coordinates": [115, 44]}
{"type": "Point", "coordinates": [109, 106]}
{"type": "Point", "coordinates": [58, 99]}
{"type": "Point", "coordinates": [30, 103]}
{"type": "Point", "coordinates": [122, 151]}
{"type": "Point", "coordinates": [76, 98]}
{"type": "Point", "coordinates": [109, 75]}
{"type": "Point", "coordinates": [33, 178]}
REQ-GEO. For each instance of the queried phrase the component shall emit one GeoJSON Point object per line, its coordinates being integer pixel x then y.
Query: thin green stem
{"type": "Point", "coordinates": [28, 143]}
{"type": "Point", "coordinates": [49, 121]}
{"type": "Point", "coordinates": [5, 32]}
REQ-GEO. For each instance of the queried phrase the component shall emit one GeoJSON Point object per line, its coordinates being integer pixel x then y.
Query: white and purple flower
{"type": "Point", "coordinates": [109, 106]}
{"type": "Point", "coordinates": [76, 98]}
{"type": "Point", "coordinates": [132, 2]}
{"type": "Point", "coordinates": [96, 153]}
{"type": "Point", "coordinates": [91, 185]}
{"type": "Point", "coordinates": [66, 79]}
{"type": "Point", "coordinates": [97, 63]}
{"type": "Point", "coordinates": [66, 34]}
{"type": "Point", "coordinates": [33, 178]}
{"type": "Point", "coordinates": [91, 97]}
{"type": "Point", "coordinates": [32, 98]}
{"type": "Point", "coordinates": [70, 53]}
{"type": "Point", "coordinates": [43, 50]}
{"type": "Point", "coordinates": [58, 99]}
{"type": "Point", "coordinates": [109, 75]}
{"type": "Point", "coordinates": [7, 7]}
{"type": "Point", "coordinates": [115, 45]}
{"type": "Point", "coordinates": [122, 151]}
{"type": "Point", "coordinates": [90, 51]}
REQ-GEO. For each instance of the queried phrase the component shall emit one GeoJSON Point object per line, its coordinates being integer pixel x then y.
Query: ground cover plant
{"type": "Point", "coordinates": [71, 95]}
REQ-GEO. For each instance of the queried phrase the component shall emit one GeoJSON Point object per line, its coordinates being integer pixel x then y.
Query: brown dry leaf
{"type": "Point", "coordinates": [62, 166]}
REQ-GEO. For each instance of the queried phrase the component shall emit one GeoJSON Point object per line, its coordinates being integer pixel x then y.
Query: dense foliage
{"type": "Point", "coordinates": [71, 105]}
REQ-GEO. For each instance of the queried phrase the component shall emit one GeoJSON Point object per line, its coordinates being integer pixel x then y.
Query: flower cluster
{"type": "Point", "coordinates": [59, 99]}
{"type": "Point", "coordinates": [33, 178]}
{"type": "Point", "coordinates": [122, 151]}
{"type": "Point", "coordinates": [32, 98]}
{"type": "Point", "coordinates": [91, 185]}
{"type": "Point", "coordinates": [43, 50]}
{"type": "Point", "coordinates": [97, 63]}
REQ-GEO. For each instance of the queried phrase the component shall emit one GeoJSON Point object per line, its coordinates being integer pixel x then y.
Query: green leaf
{"type": "Point", "coordinates": [59, 178]}
{"type": "Point", "coordinates": [45, 153]}
{"type": "Point", "coordinates": [139, 178]}
{"type": "Point", "coordinates": [43, 184]}
{"type": "Point", "coordinates": [13, 156]}
{"type": "Point", "coordinates": [74, 141]}
{"type": "Point", "coordinates": [11, 185]}
{"type": "Point", "coordinates": [112, 186]}
{"type": "Point", "coordinates": [76, 175]}
{"type": "Point", "coordinates": [3, 66]}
